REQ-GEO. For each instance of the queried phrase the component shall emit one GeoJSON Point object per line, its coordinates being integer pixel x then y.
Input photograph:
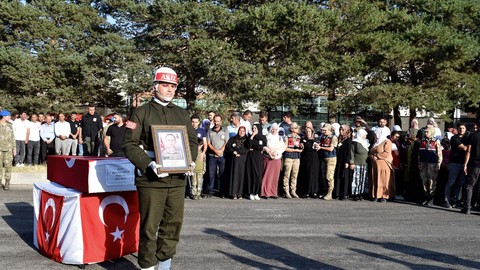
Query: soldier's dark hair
{"type": "Point", "coordinates": [288, 114]}
{"type": "Point", "coordinates": [195, 116]}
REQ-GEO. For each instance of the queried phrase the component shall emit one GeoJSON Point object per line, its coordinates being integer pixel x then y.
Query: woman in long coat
{"type": "Point", "coordinates": [383, 180]}
{"type": "Point", "coordinates": [343, 174]}
{"type": "Point", "coordinates": [309, 165]}
{"type": "Point", "coordinates": [256, 143]}
{"type": "Point", "coordinates": [272, 163]}
{"type": "Point", "coordinates": [358, 164]}
{"type": "Point", "coordinates": [236, 160]}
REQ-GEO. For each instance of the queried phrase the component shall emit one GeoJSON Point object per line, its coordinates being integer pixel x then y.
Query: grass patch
{"type": "Point", "coordinates": [30, 169]}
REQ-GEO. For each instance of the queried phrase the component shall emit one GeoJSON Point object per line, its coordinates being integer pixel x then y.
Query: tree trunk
{"type": "Point", "coordinates": [451, 115]}
{"type": "Point", "coordinates": [413, 114]}
{"type": "Point", "coordinates": [397, 120]}
{"type": "Point", "coordinates": [190, 95]}
{"type": "Point", "coordinates": [332, 112]}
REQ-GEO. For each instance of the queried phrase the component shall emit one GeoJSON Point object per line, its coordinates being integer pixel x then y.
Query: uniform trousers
{"type": "Point", "coordinates": [328, 173]}
{"type": "Point", "coordinates": [161, 219]}
{"type": "Point", "coordinates": [197, 183]}
{"type": "Point", "coordinates": [291, 166]}
{"type": "Point", "coordinates": [428, 174]}
{"type": "Point", "coordinates": [6, 159]}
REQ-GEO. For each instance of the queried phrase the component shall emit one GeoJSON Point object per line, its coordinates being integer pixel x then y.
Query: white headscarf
{"type": "Point", "coordinates": [274, 142]}
{"type": "Point", "coordinates": [336, 128]}
{"type": "Point", "coordinates": [358, 138]}
{"type": "Point", "coordinates": [381, 134]}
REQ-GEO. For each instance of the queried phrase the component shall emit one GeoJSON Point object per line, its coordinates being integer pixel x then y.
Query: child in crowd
{"type": "Point", "coordinates": [197, 178]}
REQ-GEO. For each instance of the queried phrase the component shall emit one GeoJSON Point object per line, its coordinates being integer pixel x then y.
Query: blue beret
{"type": "Point", "coordinates": [5, 113]}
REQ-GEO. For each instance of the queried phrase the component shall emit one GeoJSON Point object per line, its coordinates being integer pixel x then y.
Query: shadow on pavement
{"type": "Point", "coordinates": [21, 221]}
{"type": "Point", "coordinates": [267, 251]}
{"type": "Point", "coordinates": [413, 266]}
{"type": "Point", "coordinates": [414, 251]}
{"type": "Point", "coordinates": [118, 264]}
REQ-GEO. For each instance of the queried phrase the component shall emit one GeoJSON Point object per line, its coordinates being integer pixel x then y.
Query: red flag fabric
{"type": "Point", "coordinates": [110, 224]}
{"type": "Point", "coordinates": [48, 225]}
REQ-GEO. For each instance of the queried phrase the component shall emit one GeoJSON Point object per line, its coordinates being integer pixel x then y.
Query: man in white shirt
{"type": "Point", "coordinates": [245, 121]}
{"type": "Point", "coordinates": [234, 124]}
{"type": "Point", "coordinates": [33, 146]}
{"type": "Point", "coordinates": [63, 143]}
{"type": "Point", "coordinates": [21, 130]}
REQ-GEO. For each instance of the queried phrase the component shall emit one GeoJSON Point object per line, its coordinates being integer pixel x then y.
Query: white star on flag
{"type": "Point", "coordinates": [117, 234]}
{"type": "Point", "coordinates": [47, 236]}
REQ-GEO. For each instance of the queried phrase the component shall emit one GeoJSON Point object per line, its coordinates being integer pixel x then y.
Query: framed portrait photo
{"type": "Point", "coordinates": [172, 149]}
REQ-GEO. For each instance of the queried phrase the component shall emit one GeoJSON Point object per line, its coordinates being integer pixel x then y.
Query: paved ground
{"type": "Point", "coordinates": [282, 234]}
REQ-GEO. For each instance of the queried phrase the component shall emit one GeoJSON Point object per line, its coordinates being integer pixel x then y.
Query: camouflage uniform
{"type": "Point", "coordinates": [430, 159]}
{"type": "Point", "coordinates": [7, 146]}
{"type": "Point", "coordinates": [197, 179]}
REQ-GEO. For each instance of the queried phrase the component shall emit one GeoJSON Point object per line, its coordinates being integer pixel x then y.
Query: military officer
{"type": "Point", "coordinates": [161, 195]}
{"type": "Point", "coordinates": [7, 147]}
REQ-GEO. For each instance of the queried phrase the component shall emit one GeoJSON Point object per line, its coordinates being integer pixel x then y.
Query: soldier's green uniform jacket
{"type": "Point", "coordinates": [138, 133]}
{"type": "Point", "coordinates": [7, 139]}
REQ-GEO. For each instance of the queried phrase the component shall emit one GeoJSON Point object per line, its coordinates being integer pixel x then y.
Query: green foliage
{"type": "Point", "coordinates": [56, 55]}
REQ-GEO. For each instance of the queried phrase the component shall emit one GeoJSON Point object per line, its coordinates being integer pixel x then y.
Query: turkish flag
{"type": "Point", "coordinates": [48, 225]}
{"type": "Point", "coordinates": [110, 223]}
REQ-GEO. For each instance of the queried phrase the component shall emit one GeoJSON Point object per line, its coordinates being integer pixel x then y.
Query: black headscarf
{"type": "Point", "coordinates": [259, 135]}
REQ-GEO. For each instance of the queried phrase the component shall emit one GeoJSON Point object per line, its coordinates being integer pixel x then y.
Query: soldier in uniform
{"type": "Point", "coordinates": [328, 155]}
{"type": "Point", "coordinates": [429, 161]}
{"type": "Point", "coordinates": [7, 147]}
{"type": "Point", "coordinates": [292, 155]}
{"type": "Point", "coordinates": [161, 195]}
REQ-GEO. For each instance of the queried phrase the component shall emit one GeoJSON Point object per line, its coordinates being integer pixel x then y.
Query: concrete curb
{"type": "Point", "coordinates": [28, 178]}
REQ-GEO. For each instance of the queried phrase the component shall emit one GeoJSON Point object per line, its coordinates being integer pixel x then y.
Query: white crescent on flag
{"type": "Point", "coordinates": [70, 162]}
{"type": "Point", "coordinates": [50, 203]}
{"type": "Point", "coordinates": [109, 200]}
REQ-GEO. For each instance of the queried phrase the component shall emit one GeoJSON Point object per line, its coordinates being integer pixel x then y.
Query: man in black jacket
{"type": "Point", "coordinates": [471, 168]}
{"type": "Point", "coordinates": [91, 125]}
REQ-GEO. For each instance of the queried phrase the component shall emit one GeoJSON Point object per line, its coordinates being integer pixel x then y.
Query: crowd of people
{"type": "Point", "coordinates": [37, 136]}
{"type": "Point", "coordinates": [263, 159]}
{"type": "Point", "coordinates": [333, 161]}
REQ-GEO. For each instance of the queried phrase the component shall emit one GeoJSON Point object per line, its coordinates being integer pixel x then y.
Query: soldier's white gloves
{"type": "Point", "coordinates": [190, 171]}
{"type": "Point", "coordinates": [154, 166]}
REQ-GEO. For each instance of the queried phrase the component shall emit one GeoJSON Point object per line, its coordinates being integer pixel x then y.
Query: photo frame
{"type": "Point", "coordinates": [172, 150]}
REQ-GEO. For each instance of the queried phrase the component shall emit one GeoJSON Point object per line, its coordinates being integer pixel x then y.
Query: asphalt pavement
{"type": "Point", "coordinates": [281, 234]}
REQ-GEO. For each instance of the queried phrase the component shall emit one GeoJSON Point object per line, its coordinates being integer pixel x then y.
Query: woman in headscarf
{"type": "Point", "coordinates": [438, 133]}
{"type": "Point", "coordinates": [309, 165]}
{"type": "Point", "coordinates": [236, 150]}
{"type": "Point", "coordinates": [342, 171]}
{"type": "Point", "coordinates": [256, 143]}
{"type": "Point", "coordinates": [383, 180]}
{"type": "Point", "coordinates": [358, 163]}
{"type": "Point", "coordinates": [272, 163]}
